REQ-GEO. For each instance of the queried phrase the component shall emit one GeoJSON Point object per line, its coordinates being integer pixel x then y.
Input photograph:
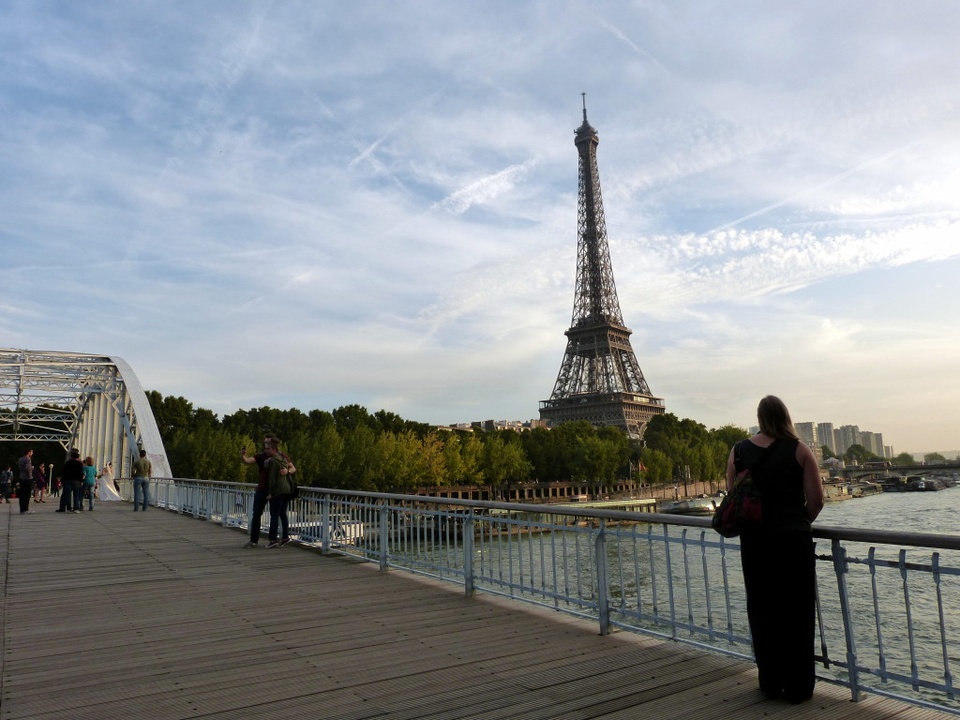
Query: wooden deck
{"type": "Point", "coordinates": [116, 614]}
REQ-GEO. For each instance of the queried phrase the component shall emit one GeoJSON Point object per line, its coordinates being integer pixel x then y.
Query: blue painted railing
{"type": "Point", "coordinates": [888, 607]}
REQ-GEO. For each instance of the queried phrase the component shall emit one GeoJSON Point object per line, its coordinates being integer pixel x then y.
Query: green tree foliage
{"type": "Point", "coordinates": [904, 459]}
{"type": "Point", "coordinates": [826, 452]}
{"type": "Point", "coordinates": [687, 448]}
{"type": "Point", "coordinates": [857, 454]}
{"type": "Point", "coordinates": [934, 458]}
{"type": "Point", "coordinates": [351, 448]}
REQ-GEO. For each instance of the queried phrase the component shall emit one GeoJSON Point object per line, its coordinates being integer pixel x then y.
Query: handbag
{"type": "Point", "coordinates": [742, 507]}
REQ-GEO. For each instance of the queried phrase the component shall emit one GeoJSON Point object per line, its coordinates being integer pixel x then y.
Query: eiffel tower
{"type": "Point", "coordinates": [600, 380]}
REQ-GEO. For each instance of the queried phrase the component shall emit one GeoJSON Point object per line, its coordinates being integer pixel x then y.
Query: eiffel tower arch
{"type": "Point", "coordinates": [600, 380]}
{"type": "Point", "coordinates": [91, 402]}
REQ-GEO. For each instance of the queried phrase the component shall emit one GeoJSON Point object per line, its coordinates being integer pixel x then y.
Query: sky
{"type": "Point", "coordinates": [318, 204]}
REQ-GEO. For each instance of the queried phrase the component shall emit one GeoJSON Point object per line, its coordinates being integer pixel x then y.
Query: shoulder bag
{"type": "Point", "coordinates": [742, 507]}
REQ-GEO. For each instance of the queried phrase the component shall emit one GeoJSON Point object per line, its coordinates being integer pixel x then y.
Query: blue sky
{"type": "Point", "coordinates": [312, 204]}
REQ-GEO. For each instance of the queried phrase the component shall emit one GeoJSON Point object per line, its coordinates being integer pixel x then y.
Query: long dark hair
{"type": "Point", "coordinates": [774, 419]}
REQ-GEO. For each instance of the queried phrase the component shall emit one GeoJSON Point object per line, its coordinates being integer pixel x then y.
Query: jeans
{"type": "Point", "coordinates": [70, 497]}
{"type": "Point", "coordinates": [259, 504]}
{"type": "Point", "coordinates": [141, 487]}
{"type": "Point", "coordinates": [88, 489]}
{"type": "Point", "coordinates": [278, 512]}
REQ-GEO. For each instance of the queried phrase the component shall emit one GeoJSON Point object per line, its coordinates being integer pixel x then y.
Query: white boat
{"type": "Point", "coordinates": [691, 506]}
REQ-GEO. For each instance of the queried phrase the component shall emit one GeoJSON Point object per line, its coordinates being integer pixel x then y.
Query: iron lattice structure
{"type": "Point", "coordinates": [90, 402]}
{"type": "Point", "coordinates": [600, 380]}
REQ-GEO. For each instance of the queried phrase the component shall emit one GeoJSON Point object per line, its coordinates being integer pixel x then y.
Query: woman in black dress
{"type": "Point", "coordinates": [779, 568]}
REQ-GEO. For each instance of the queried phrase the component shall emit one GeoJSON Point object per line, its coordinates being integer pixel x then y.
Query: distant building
{"type": "Point", "coordinates": [847, 435]}
{"type": "Point", "coordinates": [827, 436]}
{"type": "Point", "coordinates": [808, 433]}
{"type": "Point", "coordinates": [872, 441]}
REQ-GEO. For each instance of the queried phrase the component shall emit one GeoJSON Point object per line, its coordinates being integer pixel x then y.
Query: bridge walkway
{"type": "Point", "coordinates": [116, 614]}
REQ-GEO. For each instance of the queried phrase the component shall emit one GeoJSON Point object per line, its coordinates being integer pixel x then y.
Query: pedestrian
{"type": "Point", "coordinates": [71, 479]}
{"type": "Point", "coordinates": [261, 493]}
{"type": "Point", "coordinates": [39, 482]}
{"type": "Point", "coordinates": [25, 484]}
{"type": "Point", "coordinates": [779, 566]}
{"type": "Point", "coordinates": [279, 470]}
{"type": "Point", "coordinates": [6, 481]}
{"type": "Point", "coordinates": [142, 469]}
{"type": "Point", "coordinates": [89, 481]}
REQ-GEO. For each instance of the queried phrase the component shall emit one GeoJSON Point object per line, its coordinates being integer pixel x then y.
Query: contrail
{"type": "Point", "coordinates": [826, 183]}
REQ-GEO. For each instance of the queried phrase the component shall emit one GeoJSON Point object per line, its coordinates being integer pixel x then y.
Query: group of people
{"type": "Point", "coordinates": [79, 480]}
{"type": "Point", "coordinates": [274, 487]}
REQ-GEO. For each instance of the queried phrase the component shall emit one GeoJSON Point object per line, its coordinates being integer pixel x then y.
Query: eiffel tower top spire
{"type": "Point", "coordinates": [596, 293]}
{"type": "Point", "coordinates": [600, 379]}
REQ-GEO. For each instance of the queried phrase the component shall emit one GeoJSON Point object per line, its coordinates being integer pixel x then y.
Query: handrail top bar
{"type": "Point", "coordinates": [886, 537]}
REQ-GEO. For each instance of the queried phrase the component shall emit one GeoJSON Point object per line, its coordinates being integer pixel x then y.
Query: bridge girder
{"type": "Point", "coordinates": [92, 402]}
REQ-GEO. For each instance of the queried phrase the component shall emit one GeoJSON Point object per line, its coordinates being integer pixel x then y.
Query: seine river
{"type": "Point", "coordinates": [923, 512]}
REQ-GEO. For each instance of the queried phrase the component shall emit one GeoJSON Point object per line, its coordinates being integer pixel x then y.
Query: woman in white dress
{"type": "Point", "coordinates": [105, 488]}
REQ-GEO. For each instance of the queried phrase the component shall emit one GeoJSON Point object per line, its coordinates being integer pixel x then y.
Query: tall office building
{"type": "Point", "coordinates": [846, 436]}
{"type": "Point", "coordinates": [808, 433]}
{"type": "Point", "coordinates": [826, 436]}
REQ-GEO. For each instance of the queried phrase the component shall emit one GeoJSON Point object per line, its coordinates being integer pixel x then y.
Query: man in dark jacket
{"type": "Point", "coordinates": [71, 476]}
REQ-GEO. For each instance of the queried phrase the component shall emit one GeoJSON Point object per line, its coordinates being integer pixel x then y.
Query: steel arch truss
{"type": "Point", "coordinates": [91, 402]}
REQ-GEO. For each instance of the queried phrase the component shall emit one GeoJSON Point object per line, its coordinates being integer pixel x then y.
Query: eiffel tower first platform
{"type": "Point", "coordinates": [600, 380]}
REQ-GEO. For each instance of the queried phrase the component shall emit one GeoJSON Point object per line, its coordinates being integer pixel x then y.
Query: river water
{"type": "Point", "coordinates": [922, 512]}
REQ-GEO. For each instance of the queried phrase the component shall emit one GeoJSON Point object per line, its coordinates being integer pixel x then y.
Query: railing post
{"type": "Point", "coordinates": [384, 536]}
{"type": "Point", "coordinates": [602, 579]}
{"type": "Point", "coordinates": [325, 525]}
{"type": "Point", "coordinates": [468, 554]}
{"type": "Point", "coordinates": [840, 568]}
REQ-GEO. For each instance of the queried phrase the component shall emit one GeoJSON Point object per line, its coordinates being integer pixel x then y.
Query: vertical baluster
{"type": "Point", "coordinates": [947, 676]}
{"type": "Point", "coordinates": [468, 554]}
{"type": "Point", "coordinates": [601, 579]}
{"type": "Point", "coordinates": [670, 593]}
{"type": "Point", "coordinates": [636, 568]}
{"type": "Point", "coordinates": [840, 568]}
{"type": "Point", "coordinates": [914, 672]}
{"type": "Point", "coordinates": [653, 573]}
{"type": "Point", "coordinates": [706, 583]}
{"type": "Point", "coordinates": [384, 533]}
{"type": "Point", "coordinates": [726, 586]}
{"type": "Point", "coordinates": [686, 578]}
{"type": "Point", "coordinates": [882, 659]}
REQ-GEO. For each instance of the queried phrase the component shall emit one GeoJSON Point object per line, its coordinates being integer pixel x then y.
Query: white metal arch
{"type": "Point", "coordinates": [94, 403]}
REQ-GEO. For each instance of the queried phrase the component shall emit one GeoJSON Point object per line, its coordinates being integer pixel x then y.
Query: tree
{"type": "Point", "coordinates": [857, 455]}
{"type": "Point", "coordinates": [934, 458]}
{"type": "Point", "coordinates": [904, 459]}
{"type": "Point", "coordinates": [826, 452]}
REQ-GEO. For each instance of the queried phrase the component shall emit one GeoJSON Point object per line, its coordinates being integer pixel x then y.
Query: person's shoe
{"type": "Point", "coordinates": [26, 512]}
{"type": "Point", "coordinates": [272, 545]}
{"type": "Point", "coordinates": [59, 510]}
{"type": "Point", "coordinates": [284, 541]}
{"type": "Point", "coordinates": [251, 544]}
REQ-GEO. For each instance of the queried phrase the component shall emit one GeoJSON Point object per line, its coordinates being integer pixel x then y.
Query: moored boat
{"type": "Point", "coordinates": [691, 506]}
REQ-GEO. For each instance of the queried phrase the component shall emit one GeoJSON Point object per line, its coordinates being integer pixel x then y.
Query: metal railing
{"type": "Point", "coordinates": [888, 610]}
